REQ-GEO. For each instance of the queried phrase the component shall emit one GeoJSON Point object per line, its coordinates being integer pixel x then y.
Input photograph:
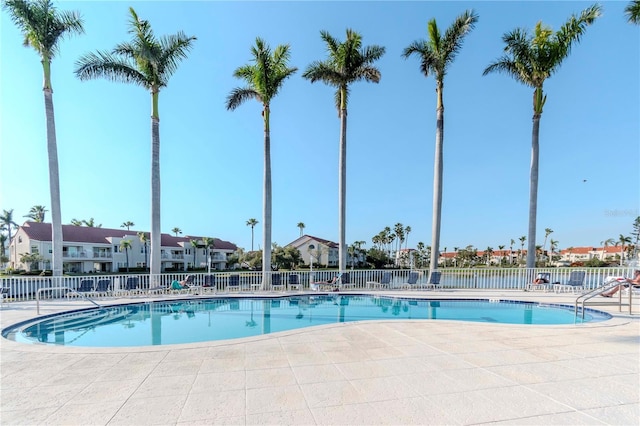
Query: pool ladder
{"type": "Point", "coordinates": [581, 300]}
{"type": "Point", "coordinates": [68, 291]}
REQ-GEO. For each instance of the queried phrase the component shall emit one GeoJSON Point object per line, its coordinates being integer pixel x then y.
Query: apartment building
{"type": "Point", "coordinates": [90, 249]}
{"type": "Point", "coordinates": [323, 252]}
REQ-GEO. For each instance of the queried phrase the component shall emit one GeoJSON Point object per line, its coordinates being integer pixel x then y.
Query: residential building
{"type": "Point", "coordinates": [91, 249]}
{"type": "Point", "coordinates": [323, 252]}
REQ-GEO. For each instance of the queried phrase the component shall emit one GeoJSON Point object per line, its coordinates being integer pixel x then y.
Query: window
{"type": "Point", "coordinates": [115, 249]}
{"type": "Point", "coordinates": [34, 249]}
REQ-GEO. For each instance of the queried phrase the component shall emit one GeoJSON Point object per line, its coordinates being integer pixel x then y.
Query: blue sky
{"type": "Point", "coordinates": [211, 159]}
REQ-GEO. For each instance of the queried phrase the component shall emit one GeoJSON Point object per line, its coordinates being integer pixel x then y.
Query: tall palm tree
{"type": "Point", "coordinates": [43, 26]}
{"type": "Point", "coordinates": [633, 12]}
{"type": "Point", "coordinates": [348, 62]}
{"type": "Point", "coordinates": [194, 244]}
{"type": "Point", "coordinates": [547, 232]}
{"type": "Point", "coordinates": [37, 213]}
{"type": "Point", "coordinates": [530, 60]}
{"type": "Point", "coordinates": [622, 242]}
{"type": "Point", "coordinates": [407, 231]}
{"type": "Point", "coordinates": [128, 224]}
{"type": "Point", "coordinates": [398, 229]}
{"type": "Point", "coordinates": [252, 223]}
{"type": "Point", "coordinates": [175, 230]}
{"type": "Point", "coordinates": [553, 245]}
{"type": "Point", "coordinates": [208, 244]}
{"type": "Point", "coordinates": [144, 239]}
{"type": "Point", "coordinates": [263, 78]}
{"type": "Point", "coordinates": [126, 245]}
{"type": "Point", "coordinates": [3, 251]}
{"type": "Point", "coordinates": [436, 54]}
{"type": "Point", "coordinates": [7, 222]}
{"type": "Point", "coordinates": [522, 240]}
{"type": "Point", "coordinates": [301, 225]}
{"type": "Point", "coordinates": [511, 243]}
{"type": "Point", "coordinates": [149, 62]}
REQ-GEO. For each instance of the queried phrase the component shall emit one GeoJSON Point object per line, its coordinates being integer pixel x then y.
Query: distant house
{"type": "Point", "coordinates": [90, 249]}
{"type": "Point", "coordinates": [323, 252]}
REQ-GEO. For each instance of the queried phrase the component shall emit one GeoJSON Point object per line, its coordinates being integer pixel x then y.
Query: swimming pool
{"type": "Point", "coordinates": [200, 320]}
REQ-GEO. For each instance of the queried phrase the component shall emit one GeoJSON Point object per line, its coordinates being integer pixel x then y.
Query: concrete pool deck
{"type": "Point", "coordinates": [385, 372]}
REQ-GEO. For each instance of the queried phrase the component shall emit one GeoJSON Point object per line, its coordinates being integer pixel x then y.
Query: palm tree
{"type": "Point", "coordinates": [194, 244]}
{"type": "Point", "coordinates": [208, 244]}
{"type": "Point", "coordinates": [175, 230]}
{"type": "Point", "coordinates": [301, 226]}
{"type": "Point", "coordinates": [633, 12]}
{"type": "Point", "coordinates": [37, 213]}
{"type": "Point", "coordinates": [264, 78]}
{"type": "Point", "coordinates": [511, 243]}
{"type": "Point", "coordinates": [547, 232]}
{"type": "Point", "coordinates": [76, 222]}
{"type": "Point", "coordinates": [3, 241]}
{"type": "Point", "coordinates": [501, 248]}
{"type": "Point", "coordinates": [7, 222]}
{"type": "Point", "coordinates": [148, 62]}
{"type": "Point", "coordinates": [143, 240]}
{"type": "Point", "coordinates": [91, 223]}
{"type": "Point", "coordinates": [252, 223]}
{"type": "Point", "coordinates": [126, 245]}
{"type": "Point", "coordinates": [128, 224]}
{"type": "Point", "coordinates": [347, 63]}
{"type": "Point", "coordinates": [436, 54]}
{"type": "Point", "coordinates": [622, 241]}
{"type": "Point", "coordinates": [553, 245]}
{"type": "Point", "coordinates": [398, 228]}
{"type": "Point", "coordinates": [43, 26]}
{"type": "Point", "coordinates": [530, 60]}
{"type": "Point", "coordinates": [522, 240]}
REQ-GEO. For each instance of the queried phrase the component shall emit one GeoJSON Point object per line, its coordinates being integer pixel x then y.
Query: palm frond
{"type": "Point", "coordinates": [42, 26]}
{"type": "Point", "coordinates": [369, 73]}
{"type": "Point", "coordinates": [110, 67]}
{"type": "Point", "coordinates": [174, 48]}
{"type": "Point", "coordinates": [239, 95]}
{"type": "Point", "coordinates": [633, 12]}
{"type": "Point", "coordinates": [333, 45]}
{"type": "Point", "coordinates": [572, 30]}
{"type": "Point", "coordinates": [454, 35]}
{"type": "Point", "coordinates": [323, 71]}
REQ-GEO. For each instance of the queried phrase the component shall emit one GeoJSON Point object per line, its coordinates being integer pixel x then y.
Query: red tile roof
{"type": "Point", "coordinates": [86, 234]}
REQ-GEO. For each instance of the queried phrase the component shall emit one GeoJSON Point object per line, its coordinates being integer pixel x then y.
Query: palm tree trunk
{"type": "Point", "coordinates": [437, 182]}
{"type": "Point", "coordinates": [54, 176]}
{"type": "Point", "coordinates": [533, 192]}
{"type": "Point", "coordinates": [266, 205]}
{"type": "Point", "coordinates": [342, 192]}
{"type": "Point", "coordinates": [155, 261]}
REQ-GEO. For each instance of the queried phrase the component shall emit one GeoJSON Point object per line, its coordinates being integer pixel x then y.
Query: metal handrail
{"type": "Point", "coordinates": [69, 290]}
{"type": "Point", "coordinates": [599, 290]}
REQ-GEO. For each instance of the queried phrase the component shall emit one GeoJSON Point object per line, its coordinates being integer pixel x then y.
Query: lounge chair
{"type": "Point", "coordinates": [276, 282]}
{"type": "Point", "coordinates": [294, 282]}
{"type": "Point", "coordinates": [412, 281]}
{"type": "Point", "coordinates": [4, 294]}
{"type": "Point", "coordinates": [132, 286]}
{"type": "Point", "coordinates": [345, 282]}
{"type": "Point", "coordinates": [234, 283]}
{"type": "Point", "coordinates": [384, 282]}
{"type": "Point", "coordinates": [434, 280]}
{"type": "Point", "coordinates": [331, 285]}
{"type": "Point", "coordinates": [545, 276]}
{"type": "Point", "coordinates": [575, 282]}
{"type": "Point", "coordinates": [103, 288]}
{"type": "Point", "coordinates": [85, 288]}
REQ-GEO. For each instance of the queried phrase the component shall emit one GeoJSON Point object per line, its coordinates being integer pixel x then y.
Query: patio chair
{"type": "Point", "coordinates": [575, 282]}
{"type": "Point", "coordinates": [4, 294]}
{"type": "Point", "coordinates": [434, 280]}
{"type": "Point", "coordinates": [385, 281]}
{"type": "Point", "coordinates": [276, 282]}
{"type": "Point", "coordinates": [345, 282]}
{"type": "Point", "coordinates": [294, 282]}
{"type": "Point", "coordinates": [412, 281]}
{"type": "Point", "coordinates": [540, 283]}
{"type": "Point", "coordinates": [103, 288]}
{"type": "Point", "coordinates": [131, 287]}
{"type": "Point", "coordinates": [234, 283]}
{"type": "Point", "coordinates": [331, 285]}
{"type": "Point", "coordinates": [85, 288]}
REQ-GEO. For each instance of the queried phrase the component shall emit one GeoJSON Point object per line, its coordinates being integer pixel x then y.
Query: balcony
{"type": "Point", "coordinates": [80, 254]}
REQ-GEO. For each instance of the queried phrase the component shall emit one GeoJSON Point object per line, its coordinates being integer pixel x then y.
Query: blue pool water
{"type": "Point", "coordinates": [200, 320]}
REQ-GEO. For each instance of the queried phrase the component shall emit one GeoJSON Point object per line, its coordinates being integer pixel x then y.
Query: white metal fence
{"type": "Point", "coordinates": [20, 288]}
